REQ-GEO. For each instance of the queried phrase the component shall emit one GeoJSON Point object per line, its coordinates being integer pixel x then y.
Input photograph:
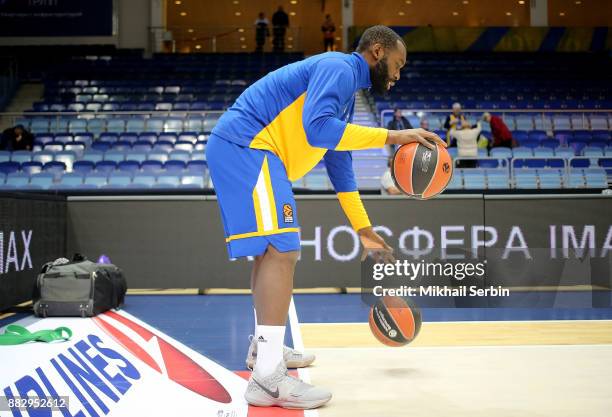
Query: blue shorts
{"type": "Point", "coordinates": [255, 198]}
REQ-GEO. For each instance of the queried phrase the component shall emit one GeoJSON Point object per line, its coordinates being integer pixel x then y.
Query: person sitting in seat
{"type": "Point", "coordinates": [16, 139]}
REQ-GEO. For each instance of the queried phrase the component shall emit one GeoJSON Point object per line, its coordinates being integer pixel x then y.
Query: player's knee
{"type": "Point", "coordinates": [289, 258]}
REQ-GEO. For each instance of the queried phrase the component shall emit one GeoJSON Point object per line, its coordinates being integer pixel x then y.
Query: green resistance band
{"type": "Point", "coordinates": [16, 335]}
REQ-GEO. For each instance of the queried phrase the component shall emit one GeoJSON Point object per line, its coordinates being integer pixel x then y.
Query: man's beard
{"type": "Point", "coordinates": [379, 76]}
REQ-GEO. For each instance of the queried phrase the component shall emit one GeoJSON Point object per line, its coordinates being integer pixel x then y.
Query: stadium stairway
{"type": "Point", "coordinates": [24, 98]}
{"type": "Point", "coordinates": [364, 113]}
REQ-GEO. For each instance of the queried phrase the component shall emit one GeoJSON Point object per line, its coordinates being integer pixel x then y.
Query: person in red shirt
{"type": "Point", "coordinates": [500, 132]}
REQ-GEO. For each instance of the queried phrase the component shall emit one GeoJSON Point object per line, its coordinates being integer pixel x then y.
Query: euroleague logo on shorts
{"type": "Point", "coordinates": [288, 213]}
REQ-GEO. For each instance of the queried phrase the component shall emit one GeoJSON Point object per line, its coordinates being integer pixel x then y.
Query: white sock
{"type": "Point", "coordinates": [269, 349]}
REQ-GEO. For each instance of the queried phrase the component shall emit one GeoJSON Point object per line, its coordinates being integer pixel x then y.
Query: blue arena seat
{"type": "Point", "coordinates": [17, 179]}
{"type": "Point", "coordinates": [105, 166]}
{"type": "Point", "coordinates": [193, 181]}
{"type": "Point", "coordinates": [54, 167]}
{"type": "Point", "coordinates": [150, 137]}
{"type": "Point", "coordinates": [21, 156]}
{"type": "Point", "coordinates": [44, 180]}
{"type": "Point", "coordinates": [145, 180]}
{"type": "Point", "coordinates": [168, 181]}
{"type": "Point", "coordinates": [135, 125]}
{"type": "Point", "coordinates": [67, 158]}
{"type": "Point", "coordinates": [115, 125]}
{"type": "Point", "coordinates": [119, 179]}
{"type": "Point", "coordinates": [31, 167]}
{"type": "Point", "coordinates": [42, 156]}
{"type": "Point", "coordinates": [83, 167]}
{"type": "Point", "coordinates": [129, 166]}
{"type": "Point", "coordinates": [71, 180]}
{"type": "Point", "coordinates": [96, 179]}
{"type": "Point", "coordinates": [151, 166]}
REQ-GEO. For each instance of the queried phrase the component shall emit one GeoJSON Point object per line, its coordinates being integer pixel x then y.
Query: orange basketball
{"type": "Point", "coordinates": [395, 321]}
{"type": "Point", "coordinates": [421, 172]}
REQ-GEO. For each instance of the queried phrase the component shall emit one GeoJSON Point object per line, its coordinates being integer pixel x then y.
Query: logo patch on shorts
{"type": "Point", "coordinates": [288, 213]}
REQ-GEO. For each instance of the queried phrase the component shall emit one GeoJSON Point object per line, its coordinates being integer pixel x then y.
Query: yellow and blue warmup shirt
{"type": "Point", "coordinates": [276, 132]}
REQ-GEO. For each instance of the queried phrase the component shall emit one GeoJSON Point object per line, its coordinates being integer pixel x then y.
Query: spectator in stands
{"type": "Point", "coordinates": [387, 185]}
{"type": "Point", "coordinates": [455, 121]}
{"type": "Point", "coordinates": [398, 122]}
{"type": "Point", "coordinates": [261, 31]}
{"type": "Point", "coordinates": [280, 23]}
{"type": "Point", "coordinates": [17, 139]}
{"type": "Point", "coordinates": [424, 123]}
{"type": "Point", "coordinates": [500, 132]}
{"type": "Point", "coordinates": [466, 140]}
{"type": "Point", "coordinates": [328, 28]}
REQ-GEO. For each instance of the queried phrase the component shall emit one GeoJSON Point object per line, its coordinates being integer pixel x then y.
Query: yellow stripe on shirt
{"type": "Point", "coordinates": [353, 208]}
{"type": "Point", "coordinates": [357, 137]}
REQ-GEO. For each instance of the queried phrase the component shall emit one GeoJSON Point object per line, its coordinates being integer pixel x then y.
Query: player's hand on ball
{"type": "Point", "coordinates": [424, 137]}
{"type": "Point", "coordinates": [375, 245]}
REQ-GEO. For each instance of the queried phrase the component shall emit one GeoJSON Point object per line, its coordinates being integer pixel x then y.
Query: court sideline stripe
{"type": "Point", "coordinates": [298, 344]}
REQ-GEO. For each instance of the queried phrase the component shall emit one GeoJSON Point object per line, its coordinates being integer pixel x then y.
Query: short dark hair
{"type": "Point", "coordinates": [379, 34]}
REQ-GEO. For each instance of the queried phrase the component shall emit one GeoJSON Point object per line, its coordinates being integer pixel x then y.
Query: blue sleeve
{"type": "Point", "coordinates": [339, 166]}
{"type": "Point", "coordinates": [330, 86]}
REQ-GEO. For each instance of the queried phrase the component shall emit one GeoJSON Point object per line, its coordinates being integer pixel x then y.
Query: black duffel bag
{"type": "Point", "coordinates": [78, 288]}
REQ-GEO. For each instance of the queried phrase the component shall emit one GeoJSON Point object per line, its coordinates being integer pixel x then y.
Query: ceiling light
{"type": "Point", "coordinates": [236, 2]}
{"type": "Point", "coordinates": [465, 1]}
{"type": "Point", "coordinates": [338, 38]}
{"type": "Point", "coordinates": [562, 14]}
{"type": "Point", "coordinates": [293, 1]}
{"type": "Point", "coordinates": [408, 1]}
{"type": "Point", "coordinates": [190, 30]}
{"type": "Point", "coordinates": [578, 2]}
{"type": "Point", "coordinates": [198, 46]}
{"type": "Point", "coordinates": [521, 1]}
{"type": "Point", "coordinates": [237, 13]}
{"type": "Point", "coordinates": [292, 14]}
{"type": "Point", "coordinates": [243, 46]}
{"type": "Point", "coordinates": [241, 30]}
{"type": "Point", "coordinates": [183, 13]}
{"type": "Point", "coordinates": [178, 2]}
{"type": "Point", "coordinates": [455, 14]}
{"type": "Point", "coordinates": [243, 38]}
{"type": "Point", "coordinates": [290, 38]}
{"type": "Point", "coordinates": [508, 14]}
{"type": "Point", "coordinates": [290, 46]}
{"type": "Point", "coordinates": [400, 13]}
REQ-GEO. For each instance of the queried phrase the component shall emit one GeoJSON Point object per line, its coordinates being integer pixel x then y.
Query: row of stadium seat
{"type": "Point", "coordinates": [528, 178]}
{"type": "Point", "coordinates": [575, 149]}
{"type": "Point", "coordinates": [139, 146]}
{"type": "Point", "coordinates": [520, 122]}
{"type": "Point", "coordinates": [96, 180]}
{"type": "Point", "coordinates": [86, 105]}
{"type": "Point", "coordinates": [130, 166]}
{"type": "Point", "coordinates": [140, 123]}
{"type": "Point", "coordinates": [67, 161]}
{"type": "Point", "coordinates": [119, 124]}
{"type": "Point", "coordinates": [531, 139]}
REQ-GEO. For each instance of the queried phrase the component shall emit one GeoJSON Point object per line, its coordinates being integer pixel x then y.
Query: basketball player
{"type": "Point", "coordinates": [276, 131]}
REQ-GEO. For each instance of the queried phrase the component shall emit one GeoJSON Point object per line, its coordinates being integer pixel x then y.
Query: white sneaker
{"type": "Point", "coordinates": [282, 390]}
{"type": "Point", "coordinates": [293, 358]}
